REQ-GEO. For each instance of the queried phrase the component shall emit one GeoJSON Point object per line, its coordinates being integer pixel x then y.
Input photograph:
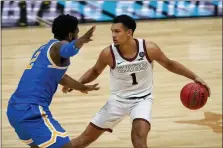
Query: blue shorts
{"type": "Point", "coordinates": [35, 125]}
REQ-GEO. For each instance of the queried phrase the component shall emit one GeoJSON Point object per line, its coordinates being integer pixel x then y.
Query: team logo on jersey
{"type": "Point", "coordinates": [120, 62]}
{"type": "Point", "coordinates": [132, 67]}
{"type": "Point", "coordinates": [141, 54]}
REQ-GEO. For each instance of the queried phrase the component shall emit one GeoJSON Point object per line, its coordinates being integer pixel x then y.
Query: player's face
{"type": "Point", "coordinates": [76, 31]}
{"type": "Point", "coordinates": [74, 35]}
{"type": "Point", "coordinates": [120, 34]}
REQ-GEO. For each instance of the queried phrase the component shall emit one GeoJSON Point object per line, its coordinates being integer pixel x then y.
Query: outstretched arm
{"type": "Point", "coordinates": [103, 60]}
{"type": "Point", "coordinates": [66, 49]}
{"type": "Point", "coordinates": [156, 54]}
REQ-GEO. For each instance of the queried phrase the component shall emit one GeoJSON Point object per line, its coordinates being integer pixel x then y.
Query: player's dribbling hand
{"type": "Point", "coordinates": [85, 38]}
{"type": "Point", "coordinates": [199, 80]}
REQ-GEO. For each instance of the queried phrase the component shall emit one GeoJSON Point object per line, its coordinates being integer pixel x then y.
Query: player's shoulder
{"type": "Point", "coordinates": [57, 44]}
{"type": "Point", "coordinates": [106, 51]}
{"type": "Point", "coordinates": [150, 45]}
{"type": "Point", "coordinates": [106, 56]}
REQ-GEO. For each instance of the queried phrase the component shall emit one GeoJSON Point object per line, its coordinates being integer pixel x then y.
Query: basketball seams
{"type": "Point", "coordinates": [200, 100]}
{"type": "Point", "coordinates": [188, 99]}
{"type": "Point", "coordinates": [190, 96]}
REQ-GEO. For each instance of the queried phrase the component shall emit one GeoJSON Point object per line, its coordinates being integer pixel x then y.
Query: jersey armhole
{"type": "Point", "coordinates": [145, 50]}
{"type": "Point", "coordinates": [113, 58]}
{"type": "Point", "coordinates": [53, 65]}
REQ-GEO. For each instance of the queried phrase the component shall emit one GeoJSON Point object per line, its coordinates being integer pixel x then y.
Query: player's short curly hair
{"type": "Point", "coordinates": [63, 25]}
{"type": "Point", "coordinates": [126, 20]}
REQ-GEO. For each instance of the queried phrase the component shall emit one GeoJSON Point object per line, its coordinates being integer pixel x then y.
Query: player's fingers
{"type": "Point", "coordinates": [70, 90]}
{"type": "Point", "coordinates": [95, 85]}
{"type": "Point", "coordinates": [64, 90]}
{"type": "Point", "coordinates": [209, 91]}
{"type": "Point", "coordinates": [94, 27]}
{"type": "Point", "coordinates": [89, 40]}
{"type": "Point", "coordinates": [90, 31]}
{"type": "Point", "coordinates": [84, 91]}
{"type": "Point", "coordinates": [207, 88]}
{"type": "Point", "coordinates": [96, 88]}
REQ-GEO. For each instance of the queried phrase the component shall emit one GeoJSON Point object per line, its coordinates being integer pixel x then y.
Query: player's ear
{"type": "Point", "coordinates": [130, 32]}
{"type": "Point", "coordinates": [70, 36]}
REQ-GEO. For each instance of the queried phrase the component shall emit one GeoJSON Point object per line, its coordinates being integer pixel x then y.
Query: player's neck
{"type": "Point", "coordinates": [128, 47]}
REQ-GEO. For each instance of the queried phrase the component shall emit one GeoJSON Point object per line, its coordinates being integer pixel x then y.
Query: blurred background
{"type": "Point", "coordinates": [187, 31]}
{"type": "Point", "coordinates": [27, 13]}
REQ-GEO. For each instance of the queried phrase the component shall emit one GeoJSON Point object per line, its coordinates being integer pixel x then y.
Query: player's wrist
{"type": "Point", "coordinates": [79, 42]}
{"type": "Point", "coordinates": [195, 78]}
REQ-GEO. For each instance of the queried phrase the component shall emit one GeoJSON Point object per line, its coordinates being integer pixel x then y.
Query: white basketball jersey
{"type": "Point", "coordinates": [131, 77]}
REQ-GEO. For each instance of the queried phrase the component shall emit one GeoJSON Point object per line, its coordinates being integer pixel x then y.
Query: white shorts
{"type": "Point", "coordinates": [115, 110]}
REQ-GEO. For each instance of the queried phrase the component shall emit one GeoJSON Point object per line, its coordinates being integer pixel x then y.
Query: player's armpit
{"type": "Point", "coordinates": [103, 60]}
{"type": "Point", "coordinates": [65, 49]}
{"type": "Point", "coordinates": [155, 53]}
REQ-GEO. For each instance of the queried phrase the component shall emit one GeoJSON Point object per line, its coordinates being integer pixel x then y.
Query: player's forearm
{"type": "Point", "coordinates": [79, 43]}
{"type": "Point", "coordinates": [69, 82]}
{"type": "Point", "coordinates": [180, 69]}
{"type": "Point", "coordinates": [89, 76]}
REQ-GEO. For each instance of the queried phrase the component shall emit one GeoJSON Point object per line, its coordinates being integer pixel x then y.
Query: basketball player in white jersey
{"type": "Point", "coordinates": [131, 78]}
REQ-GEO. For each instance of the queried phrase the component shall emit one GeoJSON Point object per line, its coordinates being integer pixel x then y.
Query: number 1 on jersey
{"type": "Point", "coordinates": [134, 81]}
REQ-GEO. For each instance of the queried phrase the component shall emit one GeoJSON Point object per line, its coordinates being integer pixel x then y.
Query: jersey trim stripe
{"type": "Point", "coordinates": [27, 141]}
{"type": "Point", "coordinates": [54, 132]}
{"type": "Point", "coordinates": [129, 59]}
{"type": "Point", "coordinates": [144, 47]}
{"type": "Point", "coordinates": [140, 97]}
{"type": "Point", "coordinates": [51, 61]}
{"type": "Point", "coordinates": [113, 57]}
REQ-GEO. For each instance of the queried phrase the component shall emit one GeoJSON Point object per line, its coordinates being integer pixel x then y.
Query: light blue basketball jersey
{"type": "Point", "coordinates": [40, 79]}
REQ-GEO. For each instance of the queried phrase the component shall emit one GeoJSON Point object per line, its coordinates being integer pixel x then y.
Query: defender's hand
{"type": "Point", "coordinates": [85, 38]}
{"type": "Point", "coordinates": [66, 90]}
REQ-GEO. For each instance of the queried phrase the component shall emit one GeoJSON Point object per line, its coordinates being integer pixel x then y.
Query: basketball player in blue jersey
{"type": "Point", "coordinates": [131, 74]}
{"type": "Point", "coordinates": [28, 109]}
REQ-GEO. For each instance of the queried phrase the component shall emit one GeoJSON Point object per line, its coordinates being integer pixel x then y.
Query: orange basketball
{"type": "Point", "coordinates": [194, 96]}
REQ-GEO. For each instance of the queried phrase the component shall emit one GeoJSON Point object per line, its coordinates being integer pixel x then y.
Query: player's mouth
{"type": "Point", "coordinates": [115, 41]}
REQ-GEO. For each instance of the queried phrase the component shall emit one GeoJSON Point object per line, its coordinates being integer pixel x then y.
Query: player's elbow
{"type": "Point", "coordinates": [96, 72]}
{"type": "Point", "coordinates": [169, 65]}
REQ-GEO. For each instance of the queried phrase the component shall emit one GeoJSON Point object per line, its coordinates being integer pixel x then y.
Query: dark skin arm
{"type": "Point", "coordinates": [60, 61]}
{"type": "Point", "coordinates": [55, 49]}
{"type": "Point", "coordinates": [155, 54]}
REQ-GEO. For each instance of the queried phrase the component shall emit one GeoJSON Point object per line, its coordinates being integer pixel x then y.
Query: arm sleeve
{"type": "Point", "coordinates": [68, 50]}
